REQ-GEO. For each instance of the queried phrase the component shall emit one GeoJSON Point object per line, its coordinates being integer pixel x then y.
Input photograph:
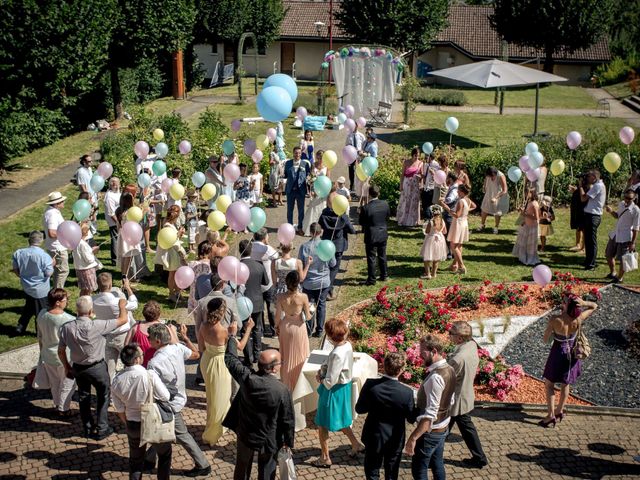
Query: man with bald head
{"type": "Point", "coordinates": [261, 413]}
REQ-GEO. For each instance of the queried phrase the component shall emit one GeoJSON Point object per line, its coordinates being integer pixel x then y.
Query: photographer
{"type": "Point", "coordinates": [595, 197]}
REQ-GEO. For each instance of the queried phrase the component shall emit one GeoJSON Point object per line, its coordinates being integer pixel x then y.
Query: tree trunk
{"type": "Point", "coordinates": [116, 94]}
{"type": "Point", "coordinates": [548, 58]}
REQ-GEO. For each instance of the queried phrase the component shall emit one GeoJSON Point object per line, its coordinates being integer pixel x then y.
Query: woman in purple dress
{"type": "Point", "coordinates": [562, 366]}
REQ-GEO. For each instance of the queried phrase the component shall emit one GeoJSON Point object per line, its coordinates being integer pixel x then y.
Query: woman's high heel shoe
{"type": "Point", "coordinates": [560, 416]}
{"type": "Point", "coordinates": [548, 423]}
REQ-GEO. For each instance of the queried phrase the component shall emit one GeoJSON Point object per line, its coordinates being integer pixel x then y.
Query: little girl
{"type": "Point", "coordinates": [242, 186]}
{"type": "Point", "coordinates": [191, 211]}
{"type": "Point", "coordinates": [546, 218]}
{"type": "Point", "coordinates": [434, 248]}
{"type": "Point", "coordinates": [255, 184]}
{"type": "Point", "coordinates": [526, 247]}
{"type": "Point", "coordinates": [85, 262]}
{"type": "Point", "coordinates": [306, 144]}
{"type": "Point", "coordinates": [275, 175]}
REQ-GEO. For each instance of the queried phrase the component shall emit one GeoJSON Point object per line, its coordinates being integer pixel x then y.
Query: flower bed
{"type": "Point", "coordinates": [396, 320]}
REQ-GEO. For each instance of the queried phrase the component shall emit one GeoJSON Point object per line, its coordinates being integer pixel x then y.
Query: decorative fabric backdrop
{"type": "Point", "coordinates": [365, 80]}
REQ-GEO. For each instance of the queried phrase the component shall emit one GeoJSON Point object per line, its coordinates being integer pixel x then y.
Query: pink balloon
{"type": "Point", "coordinates": [166, 184]}
{"type": "Point", "coordinates": [542, 275]}
{"type": "Point", "coordinates": [184, 277]}
{"type": "Point", "coordinates": [227, 268]}
{"type": "Point", "coordinates": [533, 175]}
{"type": "Point", "coordinates": [440, 177]}
{"type": "Point", "coordinates": [350, 124]}
{"type": "Point", "coordinates": [286, 233]}
{"type": "Point", "coordinates": [626, 135]}
{"type": "Point", "coordinates": [257, 156]}
{"type": "Point", "coordinates": [69, 234]}
{"type": "Point", "coordinates": [574, 139]}
{"type": "Point", "coordinates": [131, 232]}
{"type": "Point", "coordinates": [349, 111]}
{"type": "Point", "coordinates": [524, 163]}
{"type": "Point", "coordinates": [349, 154]}
{"type": "Point", "coordinates": [249, 146]}
{"type": "Point", "coordinates": [242, 274]}
{"type": "Point", "coordinates": [105, 170]}
{"type": "Point", "coordinates": [184, 146]}
{"type": "Point", "coordinates": [301, 112]}
{"type": "Point", "coordinates": [238, 216]}
{"type": "Point", "coordinates": [362, 122]}
{"type": "Point", "coordinates": [235, 125]}
{"type": "Point", "coordinates": [271, 134]}
{"type": "Point", "coordinates": [231, 172]}
{"type": "Point", "coordinates": [141, 148]}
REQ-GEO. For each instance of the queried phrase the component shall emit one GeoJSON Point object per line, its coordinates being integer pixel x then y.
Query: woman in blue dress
{"type": "Point", "coordinates": [334, 403]}
{"type": "Point", "coordinates": [562, 365]}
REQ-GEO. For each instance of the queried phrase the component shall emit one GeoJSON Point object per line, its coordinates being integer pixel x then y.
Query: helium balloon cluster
{"type": "Point", "coordinates": [275, 101]}
{"type": "Point", "coordinates": [362, 52]}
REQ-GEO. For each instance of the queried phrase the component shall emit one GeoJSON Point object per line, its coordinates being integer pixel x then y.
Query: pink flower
{"type": "Point", "coordinates": [488, 367]}
{"type": "Point", "coordinates": [501, 395]}
{"type": "Point", "coordinates": [406, 375]}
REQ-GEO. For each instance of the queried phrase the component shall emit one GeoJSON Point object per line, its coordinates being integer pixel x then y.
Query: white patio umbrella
{"type": "Point", "coordinates": [496, 73]}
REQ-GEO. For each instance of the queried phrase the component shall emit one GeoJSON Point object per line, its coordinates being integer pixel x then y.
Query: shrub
{"type": "Point", "coordinates": [387, 177]}
{"type": "Point", "coordinates": [495, 373]}
{"type": "Point", "coordinates": [458, 297]}
{"type": "Point", "coordinates": [310, 102]}
{"type": "Point", "coordinates": [430, 96]}
{"type": "Point", "coordinates": [506, 295]}
{"type": "Point", "coordinates": [138, 85]}
{"type": "Point", "coordinates": [617, 70]}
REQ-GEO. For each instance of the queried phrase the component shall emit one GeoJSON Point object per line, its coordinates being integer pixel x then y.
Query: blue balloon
{"type": "Point", "coordinates": [530, 148]}
{"type": "Point", "coordinates": [370, 165]}
{"type": "Point", "coordinates": [535, 160]}
{"type": "Point", "coordinates": [144, 180]}
{"type": "Point", "coordinates": [514, 174]}
{"type": "Point", "coordinates": [258, 219]}
{"type": "Point", "coordinates": [342, 118]}
{"type": "Point", "coordinates": [322, 186]}
{"type": "Point", "coordinates": [245, 307]}
{"type": "Point", "coordinates": [451, 124]}
{"type": "Point", "coordinates": [283, 81]}
{"type": "Point", "coordinates": [162, 149]}
{"type": "Point", "coordinates": [96, 183]}
{"type": "Point", "coordinates": [274, 104]}
{"type": "Point", "coordinates": [198, 179]}
{"type": "Point", "coordinates": [427, 147]}
{"type": "Point", "coordinates": [228, 147]}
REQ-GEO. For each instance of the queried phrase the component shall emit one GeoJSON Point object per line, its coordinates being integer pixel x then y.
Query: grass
{"type": "Point", "coordinates": [487, 256]}
{"type": "Point", "coordinates": [552, 96]}
{"type": "Point", "coordinates": [619, 90]}
{"type": "Point", "coordinates": [480, 129]}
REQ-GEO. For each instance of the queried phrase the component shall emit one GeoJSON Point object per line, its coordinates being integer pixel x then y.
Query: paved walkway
{"type": "Point", "coordinates": [37, 445]}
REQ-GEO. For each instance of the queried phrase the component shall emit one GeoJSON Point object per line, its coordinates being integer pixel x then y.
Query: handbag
{"type": "Point", "coordinates": [286, 465]}
{"type": "Point", "coordinates": [581, 346]}
{"type": "Point", "coordinates": [629, 261]}
{"type": "Point", "coordinates": [152, 427]}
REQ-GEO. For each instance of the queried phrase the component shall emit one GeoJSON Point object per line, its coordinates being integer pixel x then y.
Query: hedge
{"type": "Point", "coordinates": [430, 96]}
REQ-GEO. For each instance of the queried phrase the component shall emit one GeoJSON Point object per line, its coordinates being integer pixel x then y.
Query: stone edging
{"type": "Point", "coordinates": [577, 409]}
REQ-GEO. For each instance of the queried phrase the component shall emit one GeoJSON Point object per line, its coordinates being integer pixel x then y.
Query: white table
{"type": "Point", "coordinates": [305, 396]}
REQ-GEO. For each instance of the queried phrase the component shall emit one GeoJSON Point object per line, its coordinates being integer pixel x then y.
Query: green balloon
{"type": "Point", "coordinates": [159, 168]}
{"type": "Point", "coordinates": [322, 186]}
{"type": "Point", "coordinates": [81, 210]}
{"type": "Point", "coordinates": [325, 250]}
{"type": "Point", "coordinates": [325, 65]}
{"type": "Point", "coordinates": [370, 165]}
{"type": "Point", "coordinates": [258, 219]}
{"type": "Point", "coordinates": [228, 147]}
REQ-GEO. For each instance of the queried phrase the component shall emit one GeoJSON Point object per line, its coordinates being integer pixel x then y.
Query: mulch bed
{"type": "Point", "coordinates": [530, 390]}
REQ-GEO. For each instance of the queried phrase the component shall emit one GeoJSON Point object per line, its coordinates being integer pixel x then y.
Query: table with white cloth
{"type": "Point", "coordinates": [305, 395]}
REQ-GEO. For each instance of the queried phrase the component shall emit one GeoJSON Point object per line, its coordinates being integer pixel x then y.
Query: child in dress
{"type": "Point", "coordinates": [434, 248]}
{"type": "Point", "coordinates": [306, 145]}
{"type": "Point", "coordinates": [546, 218]}
{"type": "Point", "coordinates": [242, 186]}
{"type": "Point", "coordinates": [85, 262]}
{"type": "Point", "coordinates": [191, 214]}
{"type": "Point", "coordinates": [255, 184]}
{"type": "Point", "coordinates": [275, 175]}
{"type": "Point", "coordinates": [526, 247]}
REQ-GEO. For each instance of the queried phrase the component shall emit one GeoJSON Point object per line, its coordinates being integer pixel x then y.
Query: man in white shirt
{"type": "Point", "coordinates": [105, 307]}
{"type": "Point", "coordinates": [168, 363]}
{"type": "Point", "coordinates": [434, 402]}
{"type": "Point", "coordinates": [129, 390]}
{"type": "Point", "coordinates": [111, 203]}
{"type": "Point", "coordinates": [52, 220]}
{"type": "Point", "coordinates": [595, 198]}
{"type": "Point", "coordinates": [626, 233]}
{"type": "Point", "coordinates": [83, 178]}
{"type": "Point", "coordinates": [265, 253]}
{"type": "Point", "coordinates": [355, 139]}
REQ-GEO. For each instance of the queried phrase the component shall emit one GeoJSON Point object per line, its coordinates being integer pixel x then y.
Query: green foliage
{"type": "Point", "coordinates": [625, 30]}
{"type": "Point", "coordinates": [138, 85]}
{"type": "Point", "coordinates": [618, 70]}
{"type": "Point", "coordinates": [409, 90]}
{"type": "Point", "coordinates": [387, 177]}
{"type": "Point", "coordinates": [310, 102]}
{"type": "Point", "coordinates": [429, 96]}
{"type": "Point", "coordinates": [407, 25]}
{"type": "Point", "coordinates": [209, 136]}
{"type": "Point", "coordinates": [551, 25]}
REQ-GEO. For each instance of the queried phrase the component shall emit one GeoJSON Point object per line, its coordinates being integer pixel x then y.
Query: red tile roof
{"type": "Point", "coordinates": [469, 31]}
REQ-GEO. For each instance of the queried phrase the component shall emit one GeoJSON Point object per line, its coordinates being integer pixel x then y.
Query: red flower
{"type": "Point", "coordinates": [486, 282]}
{"type": "Point", "coordinates": [525, 287]}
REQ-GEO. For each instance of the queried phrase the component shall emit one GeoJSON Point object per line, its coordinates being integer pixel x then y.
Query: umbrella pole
{"type": "Point", "coordinates": [535, 117]}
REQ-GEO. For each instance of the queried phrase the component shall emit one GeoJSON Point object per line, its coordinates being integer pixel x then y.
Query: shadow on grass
{"type": "Point", "coordinates": [12, 168]}
{"type": "Point", "coordinates": [410, 138]}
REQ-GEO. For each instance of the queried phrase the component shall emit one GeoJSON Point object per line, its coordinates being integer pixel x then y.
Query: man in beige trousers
{"type": "Point", "coordinates": [464, 361]}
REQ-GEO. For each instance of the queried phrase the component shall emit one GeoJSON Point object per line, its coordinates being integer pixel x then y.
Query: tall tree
{"type": "Point", "coordinates": [625, 31]}
{"type": "Point", "coordinates": [407, 25]}
{"type": "Point", "coordinates": [553, 25]}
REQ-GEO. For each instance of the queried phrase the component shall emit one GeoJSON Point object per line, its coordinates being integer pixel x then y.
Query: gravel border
{"type": "Point", "coordinates": [610, 376]}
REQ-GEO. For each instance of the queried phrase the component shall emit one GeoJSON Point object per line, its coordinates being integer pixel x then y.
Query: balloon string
{"type": "Point", "coordinates": [553, 184]}
{"type": "Point", "coordinates": [629, 157]}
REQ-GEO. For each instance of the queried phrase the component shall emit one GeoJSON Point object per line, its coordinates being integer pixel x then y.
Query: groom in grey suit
{"type": "Point", "coordinates": [464, 361]}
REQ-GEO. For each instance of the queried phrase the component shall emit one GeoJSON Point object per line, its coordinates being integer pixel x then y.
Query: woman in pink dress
{"type": "Point", "coordinates": [459, 232]}
{"type": "Point", "coordinates": [408, 213]}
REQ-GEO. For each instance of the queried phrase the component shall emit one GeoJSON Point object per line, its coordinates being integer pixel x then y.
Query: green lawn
{"type": "Point", "coordinates": [487, 256]}
{"type": "Point", "coordinates": [619, 90]}
{"type": "Point", "coordinates": [486, 129]}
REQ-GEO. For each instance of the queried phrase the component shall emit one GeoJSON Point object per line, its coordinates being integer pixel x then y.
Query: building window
{"type": "Point", "coordinates": [214, 48]}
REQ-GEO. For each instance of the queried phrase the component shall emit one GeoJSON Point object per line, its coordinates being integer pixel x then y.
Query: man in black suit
{"type": "Point", "coordinates": [257, 283]}
{"type": "Point", "coordinates": [388, 404]}
{"type": "Point", "coordinates": [373, 218]}
{"type": "Point", "coordinates": [337, 229]}
{"type": "Point", "coordinates": [261, 414]}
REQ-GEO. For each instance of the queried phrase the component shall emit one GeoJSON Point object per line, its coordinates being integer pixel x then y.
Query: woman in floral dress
{"type": "Point", "coordinates": [408, 213]}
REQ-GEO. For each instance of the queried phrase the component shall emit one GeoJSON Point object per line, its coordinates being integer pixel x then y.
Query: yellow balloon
{"type": "Point", "coordinates": [612, 162]}
{"type": "Point", "coordinates": [329, 158]}
{"type": "Point", "coordinates": [262, 141]}
{"type": "Point", "coordinates": [208, 191]}
{"type": "Point", "coordinates": [158, 134]}
{"type": "Point", "coordinates": [361, 173]}
{"type": "Point", "coordinates": [216, 220]}
{"type": "Point", "coordinates": [167, 237]}
{"type": "Point", "coordinates": [176, 191]}
{"type": "Point", "coordinates": [339, 204]}
{"type": "Point", "coordinates": [134, 214]}
{"type": "Point", "coordinates": [223, 202]}
{"type": "Point", "coordinates": [557, 167]}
